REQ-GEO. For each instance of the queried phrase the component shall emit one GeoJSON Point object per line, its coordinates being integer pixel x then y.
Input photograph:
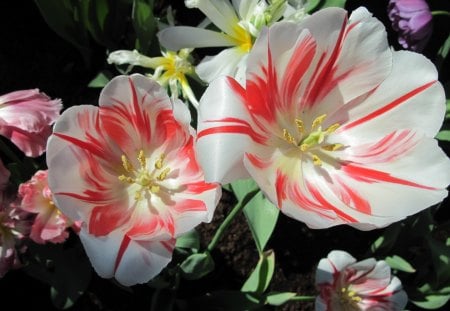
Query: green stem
{"type": "Point", "coordinates": [224, 225]}
{"type": "Point", "coordinates": [436, 13]}
{"type": "Point", "coordinates": [303, 298]}
{"type": "Point", "coordinates": [7, 151]}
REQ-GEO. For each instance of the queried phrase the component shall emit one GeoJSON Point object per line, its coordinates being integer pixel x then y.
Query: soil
{"type": "Point", "coordinates": [32, 55]}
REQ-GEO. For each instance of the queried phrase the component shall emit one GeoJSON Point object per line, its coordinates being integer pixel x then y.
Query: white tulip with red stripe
{"type": "Point", "coordinates": [333, 125]}
{"type": "Point", "coordinates": [128, 170]}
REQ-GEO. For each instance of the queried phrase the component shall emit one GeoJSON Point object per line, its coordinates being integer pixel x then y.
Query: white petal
{"type": "Point", "coordinates": [180, 37]}
{"type": "Point", "coordinates": [410, 98]}
{"type": "Point", "coordinates": [336, 261]}
{"type": "Point", "coordinates": [102, 251]}
{"type": "Point", "coordinates": [219, 150]}
{"type": "Point", "coordinates": [143, 260]}
{"type": "Point", "coordinates": [139, 262]}
{"type": "Point", "coordinates": [124, 89]}
{"type": "Point", "coordinates": [221, 13]}
{"type": "Point", "coordinates": [63, 161]}
{"type": "Point", "coordinates": [226, 63]}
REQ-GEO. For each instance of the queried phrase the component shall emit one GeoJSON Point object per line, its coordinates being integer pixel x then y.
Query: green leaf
{"type": "Point", "coordinates": [64, 18]}
{"type": "Point", "coordinates": [100, 80]}
{"type": "Point", "coordinates": [277, 299]}
{"type": "Point", "coordinates": [432, 301]}
{"type": "Point", "coordinates": [242, 187]}
{"type": "Point", "coordinates": [260, 278]}
{"type": "Point", "coordinates": [189, 240]}
{"type": "Point", "coordinates": [444, 135]}
{"type": "Point", "coordinates": [144, 23]}
{"type": "Point", "coordinates": [262, 217]}
{"type": "Point", "coordinates": [398, 263]}
{"type": "Point", "coordinates": [197, 266]}
{"type": "Point", "coordinates": [311, 6]}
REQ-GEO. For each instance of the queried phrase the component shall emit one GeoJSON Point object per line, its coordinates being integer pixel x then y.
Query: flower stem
{"type": "Point", "coordinates": [224, 225]}
{"type": "Point", "coordinates": [445, 13]}
{"type": "Point", "coordinates": [7, 151]}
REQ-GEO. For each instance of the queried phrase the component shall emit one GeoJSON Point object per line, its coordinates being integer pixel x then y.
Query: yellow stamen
{"type": "Point", "coordinates": [300, 126]}
{"type": "Point", "coordinates": [288, 137]}
{"type": "Point", "coordinates": [318, 121]}
{"type": "Point", "coordinates": [163, 174]}
{"type": "Point", "coordinates": [126, 164]}
{"type": "Point", "coordinates": [304, 147]}
{"type": "Point", "coordinates": [159, 163]}
{"type": "Point", "coordinates": [155, 188]}
{"type": "Point", "coordinates": [316, 160]}
{"type": "Point", "coordinates": [332, 147]}
{"type": "Point", "coordinates": [141, 158]}
{"type": "Point", "coordinates": [332, 128]}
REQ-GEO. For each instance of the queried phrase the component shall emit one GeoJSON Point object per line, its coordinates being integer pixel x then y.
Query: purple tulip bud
{"type": "Point", "coordinates": [413, 21]}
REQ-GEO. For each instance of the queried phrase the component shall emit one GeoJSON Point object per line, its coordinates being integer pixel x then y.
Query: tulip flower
{"type": "Point", "coordinates": [333, 125]}
{"type": "Point", "coordinates": [127, 170]}
{"type": "Point", "coordinates": [345, 284]}
{"type": "Point", "coordinates": [50, 225]}
{"type": "Point", "coordinates": [239, 23]}
{"type": "Point", "coordinates": [413, 21]}
{"type": "Point", "coordinates": [26, 117]}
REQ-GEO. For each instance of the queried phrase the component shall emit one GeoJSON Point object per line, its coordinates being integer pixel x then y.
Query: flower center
{"type": "Point", "coordinates": [312, 140]}
{"type": "Point", "coordinates": [242, 38]}
{"type": "Point", "coordinates": [147, 180]}
{"type": "Point", "coordinates": [348, 299]}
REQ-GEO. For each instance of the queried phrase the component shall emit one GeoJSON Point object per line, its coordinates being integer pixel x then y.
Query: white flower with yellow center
{"type": "Point", "coordinates": [239, 23]}
{"type": "Point", "coordinates": [170, 69]}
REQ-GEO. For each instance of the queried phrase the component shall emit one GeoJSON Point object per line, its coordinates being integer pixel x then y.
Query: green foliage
{"type": "Point", "coordinates": [197, 266]}
{"type": "Point", "coordinates": [261, 276]}
{"type": "Point", "coordinates": [144, 24]}
{"type": "Point", "coordinates": [262, 217]}
{"type": "Point", "coordinates": [278, 299]}
{"type": "Point", "coordinates": [398, 263]}
{"type": "Point", "coordinates": [315, 5]}
{"type": "Point", "coordinates": [260, 213]}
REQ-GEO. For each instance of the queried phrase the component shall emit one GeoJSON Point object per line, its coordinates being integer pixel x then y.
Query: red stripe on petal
{"type": "Point", "coordinates": [105, 219]}
{"type": "Point", "coordinates": [369, 175]}
{"type": "Point", "coordinates": [232, 129]}
{"type": "Point", "coordinates": [319, 197]}
{"type": "Point", "coordinates": [88, 146]}
{"type": "Point", "coordinates": [200, 187]}
{"type": "Point", "coordinates": [297, 67]}
{"type": "Point", "coordinates": [189, 205]}
{"type": "Point", "coordinates": [352, 198]}
{"type": "Point", "coordinates": [169, 245]}
{"type": "Point", "coordinates": [123, 247]}
{"type": "Point", "coordinates": [256, 161]}
{"type": "Point", "coordinates": [400, 100]}
{"type": "Point", "coordinates": [321, 81]}
{"type": "Point", "coordinates": [280, 186]}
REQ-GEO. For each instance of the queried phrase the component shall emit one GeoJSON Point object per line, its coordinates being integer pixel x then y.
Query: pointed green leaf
{"type": "Point", "coordinates": [100, 80]}
{"type": "Point", "coordinates": [260, 278]}
{"type": "Point", "coordinates": [398, 263]}
{"type": "Point", "coordinates": [262, 217]}
{"type": "Point", "coordinates": [277, 299]}
{"type": "Point", "coordinates": [444, 135]}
